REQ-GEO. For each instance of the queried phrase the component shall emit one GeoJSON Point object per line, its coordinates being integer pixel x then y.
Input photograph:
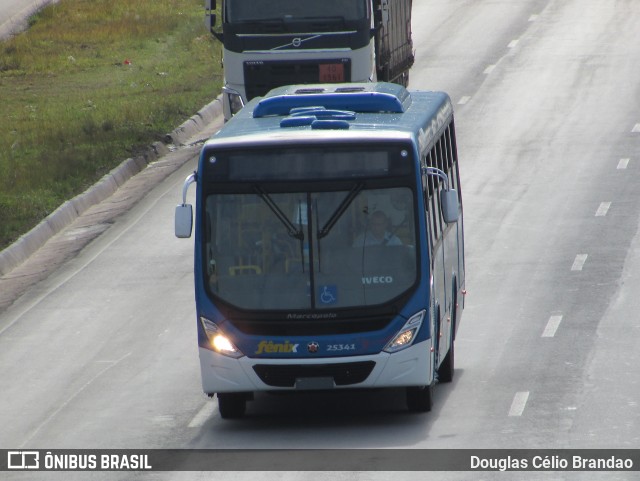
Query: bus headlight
{"type": "Point", "coordinates": [407, 334]}
{"type": "Point", "coordinates": [218, 341]}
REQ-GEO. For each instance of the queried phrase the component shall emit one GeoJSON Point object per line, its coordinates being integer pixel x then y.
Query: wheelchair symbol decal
{"type": "Point", "coordinates": [328, 294]}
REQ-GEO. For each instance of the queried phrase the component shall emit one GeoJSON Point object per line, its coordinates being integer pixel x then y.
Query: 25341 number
{"type": "Point", "coordinates": [341, 347]}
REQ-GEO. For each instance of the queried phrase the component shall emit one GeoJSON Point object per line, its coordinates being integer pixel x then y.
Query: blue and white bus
{"type": "Point", "coordinates": [329, 247]}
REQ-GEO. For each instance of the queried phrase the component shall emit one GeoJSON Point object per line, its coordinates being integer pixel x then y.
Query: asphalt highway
{"type": "Point", "coordinates": [103, 354]}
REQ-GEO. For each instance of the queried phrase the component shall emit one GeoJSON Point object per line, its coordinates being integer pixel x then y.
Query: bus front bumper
{"type": "Point", "coordinates": [412, 366]}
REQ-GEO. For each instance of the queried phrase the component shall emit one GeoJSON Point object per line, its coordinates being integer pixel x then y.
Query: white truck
{"type": "Point", "coordinates": [272, 43]}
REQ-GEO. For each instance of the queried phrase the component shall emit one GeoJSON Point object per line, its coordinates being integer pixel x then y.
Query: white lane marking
{"type": "Point", "coordinates": [71, 398]}
{"type": "Point", "coordinates": [513, 43]}
{"type": "Point", "coordinates": [552, 326]}
{"type": "Point", "coordinates": [603, 209]}
{"type": "Point", "coordinates": [489, 69]}
{"type": "Point", "coordinates": [623, 164]}
{"type": "Point", "coordinates": [579, 261]}
{"type": "Point", "coordinates": [518, 404]}
{"type": "Point", "coordinates": [636, 128]}
{"type": "Point", "coordinates": [205, 413]}
{"type": "Point", "coordinates": [464, 100]}
{"type": "Point", "coordinates": [164, 420]}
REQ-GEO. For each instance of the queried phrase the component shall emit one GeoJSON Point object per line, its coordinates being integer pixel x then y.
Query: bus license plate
{"type": "Point", "coordinates": [331, 73]}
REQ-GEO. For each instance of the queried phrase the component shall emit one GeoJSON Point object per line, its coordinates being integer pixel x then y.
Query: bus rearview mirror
{"type": "Point", "coordinates": [449, 205]}
{"type": "Point", "coordinates": [184, 221]}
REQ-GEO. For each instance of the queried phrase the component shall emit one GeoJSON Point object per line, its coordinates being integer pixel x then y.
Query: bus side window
{"type": "Point", "coordinates": [440, 155]}
{"type": "Point", "coordinates": [449, 158]}
{"type": "Point", "coordinates": [442, 165]}
{"type": "Point", "coordinates": [434, 197]}
{"type": "Point", "coordinates": [426, 188]}
{"type": "Point", "coordinates": [454, 157]}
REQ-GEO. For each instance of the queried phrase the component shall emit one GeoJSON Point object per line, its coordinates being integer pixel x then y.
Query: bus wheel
{"type": "Point", "coordinates": [232, 405]}
{"type": "Point", "coordinates": [420, 399]}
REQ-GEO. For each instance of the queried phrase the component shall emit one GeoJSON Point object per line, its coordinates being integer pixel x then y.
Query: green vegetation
{"type": "Point", "coordinates": [89, 84]}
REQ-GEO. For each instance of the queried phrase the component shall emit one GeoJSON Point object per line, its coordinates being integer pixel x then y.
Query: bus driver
{"type": "Point", "coordinates": [377, 233]}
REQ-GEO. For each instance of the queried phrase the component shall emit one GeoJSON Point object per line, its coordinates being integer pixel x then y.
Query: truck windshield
{"type": "Point", "coordinates": [284, 10]}
{"type": "Point", "coordinates": [310, 249]}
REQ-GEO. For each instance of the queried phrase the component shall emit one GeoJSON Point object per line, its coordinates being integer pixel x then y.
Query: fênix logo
{"type": "Point", "coordinates": [276, 347]}
{"type": "Point", "coordinates": [23, 460]}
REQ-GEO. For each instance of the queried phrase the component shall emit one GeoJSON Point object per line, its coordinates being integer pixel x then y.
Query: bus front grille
{"type": "Point", "coordinates": [343, 374]}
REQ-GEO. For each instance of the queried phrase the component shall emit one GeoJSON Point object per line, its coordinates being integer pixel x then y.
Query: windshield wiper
{"type": "Point", "coordinates": [353, 193]}
{"type": "Point", "coordinates": [291, 229]}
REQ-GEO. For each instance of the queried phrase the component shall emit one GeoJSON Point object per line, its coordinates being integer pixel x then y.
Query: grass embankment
{"type": "Point", "coordinates": [89, 84]}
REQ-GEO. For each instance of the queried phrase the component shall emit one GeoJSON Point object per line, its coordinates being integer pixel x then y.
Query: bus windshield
{"type": "Point", "coordinates": [284, 10]}
{"type": "Point", "coordinates": [310, 249]}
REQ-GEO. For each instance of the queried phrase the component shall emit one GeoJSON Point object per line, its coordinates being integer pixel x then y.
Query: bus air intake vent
{"type": "Point", "coordinates": [343, 374]}
{"type": "Point", "coordinates": [349, 89]}
{"type": "Point", "coordinates": [330, 125]}
{"type": "Point", "coordinates": [309, 91]}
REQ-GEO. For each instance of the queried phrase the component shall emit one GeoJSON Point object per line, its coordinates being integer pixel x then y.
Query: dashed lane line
{"type": "Point", "coordinates": [603, 209]}
{"type": "Point", "coordinates": [579, 261]}
{"type": "Point", "coordinates": [552, 326]}
{"type": "Point", "coordinates": [519, 403]}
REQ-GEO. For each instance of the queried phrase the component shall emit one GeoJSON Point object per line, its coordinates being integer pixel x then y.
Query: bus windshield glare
{"type": "Point", "coordinates": [325, 244]}
{"type": "Point", "coordinates": [252, 11]}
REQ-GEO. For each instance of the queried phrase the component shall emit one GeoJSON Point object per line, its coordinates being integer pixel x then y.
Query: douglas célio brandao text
{"type": "Point", "coordinates": [551, 463]}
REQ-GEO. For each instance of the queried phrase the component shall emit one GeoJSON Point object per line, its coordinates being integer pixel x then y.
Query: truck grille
{"type": "Point", "coordinates": [260, 77]}
{"type": "Point", "coordinates": [343, 374]}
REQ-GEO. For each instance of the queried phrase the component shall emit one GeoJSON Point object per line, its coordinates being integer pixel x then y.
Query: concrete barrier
{"type": "Point", "coordinates": [195, 124]}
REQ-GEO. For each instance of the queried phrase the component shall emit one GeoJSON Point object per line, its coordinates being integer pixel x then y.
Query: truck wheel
{"type": "Point", "coordinates": [420, 399]}
{"type": "Point", "coordinates": [232, 405]}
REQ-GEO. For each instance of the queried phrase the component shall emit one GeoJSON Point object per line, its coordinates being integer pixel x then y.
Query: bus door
{"type": "Point", "coordinates": [444, 162]}
{"type": "Point", "coordinates": [435, 231]}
